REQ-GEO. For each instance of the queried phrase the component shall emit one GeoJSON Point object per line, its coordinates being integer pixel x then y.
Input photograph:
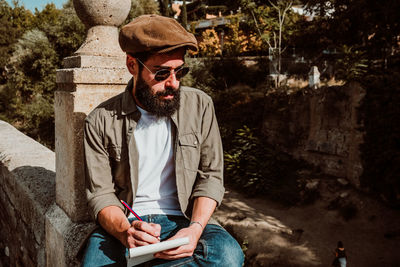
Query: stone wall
{"type": "Point", "coordinates": [27, 186]}
{"type": "Point", "coordinates": [320, 126]}
{"type": "Point", "coordinates": [31, 223]}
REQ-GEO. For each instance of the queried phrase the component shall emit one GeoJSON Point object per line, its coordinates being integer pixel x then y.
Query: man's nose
{"type": "Point", "coordinates": [172, 81]}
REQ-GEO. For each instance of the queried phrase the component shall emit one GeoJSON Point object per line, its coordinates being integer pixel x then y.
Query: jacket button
{"type": "Point", "coordinates": [195, 142]}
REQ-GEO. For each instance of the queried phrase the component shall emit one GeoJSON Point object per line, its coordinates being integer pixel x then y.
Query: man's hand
{"type": "Point", "coordinates": [193, 232]}
{"type": "Point", "coordinates": [140, 234]}
{"type": "Point", "coordinates": [136, 234]}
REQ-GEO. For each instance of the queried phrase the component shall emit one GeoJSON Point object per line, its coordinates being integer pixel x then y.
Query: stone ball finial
{"type": "Point", "coordinates": [102, 17]}
{"type": "Point", "coordinates": [102, 12]}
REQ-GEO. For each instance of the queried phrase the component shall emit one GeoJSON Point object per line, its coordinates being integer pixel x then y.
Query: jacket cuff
{"type": "Point", "coordinates": [211, 189]}
{"type": "Point", "coordinates": [98, 203]}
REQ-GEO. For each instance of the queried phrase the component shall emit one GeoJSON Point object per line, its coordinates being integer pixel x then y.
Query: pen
{"type": "Point", "coordinates": [129, 208]}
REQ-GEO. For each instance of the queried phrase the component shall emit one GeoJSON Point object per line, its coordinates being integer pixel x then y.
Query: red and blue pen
{"type": "Point", "coordinates": [129, 208]}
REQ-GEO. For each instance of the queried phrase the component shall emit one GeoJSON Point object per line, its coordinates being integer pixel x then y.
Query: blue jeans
{"type": "Point", "coordinates": [216, 247]}
{"type": "Point", "coordinates": [342, 262]}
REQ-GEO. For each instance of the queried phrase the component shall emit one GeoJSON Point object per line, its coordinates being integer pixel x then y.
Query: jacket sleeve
{"type": "Point", "coordinates": [209, 180]}
{"type": "Point", "coordinates": [100, 191]}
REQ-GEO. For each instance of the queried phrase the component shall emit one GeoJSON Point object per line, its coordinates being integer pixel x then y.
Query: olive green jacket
{"type": "Point", "coordinates": [112, 169]}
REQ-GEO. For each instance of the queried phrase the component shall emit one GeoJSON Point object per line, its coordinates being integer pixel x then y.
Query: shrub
{"type": "Point", "coordinates": [257, 168]}
{"type": "Point", "coordinates": [219, 74]}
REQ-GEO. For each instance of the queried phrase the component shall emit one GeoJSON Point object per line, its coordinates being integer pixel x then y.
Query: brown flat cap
{"type": "Point", "coordinates": [154, 33]}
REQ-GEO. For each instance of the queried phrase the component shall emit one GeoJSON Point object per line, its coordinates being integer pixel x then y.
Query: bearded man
{"type": "Point", "coordinates": [157, 147]}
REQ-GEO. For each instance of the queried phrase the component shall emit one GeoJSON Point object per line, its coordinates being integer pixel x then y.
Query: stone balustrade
{"type": "Point", "coordinates": [44, 216]}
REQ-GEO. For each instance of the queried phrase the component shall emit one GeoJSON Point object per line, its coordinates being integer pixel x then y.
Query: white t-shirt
{"type": "Point", "coordinates": [156, 193]}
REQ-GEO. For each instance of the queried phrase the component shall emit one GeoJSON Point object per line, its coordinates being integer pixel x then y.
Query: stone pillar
{"type": "Point", "coordinates": [94, 73]}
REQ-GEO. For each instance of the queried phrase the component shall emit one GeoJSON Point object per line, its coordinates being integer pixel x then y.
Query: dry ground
{"type": "Point", "coordinates": [306, 235]}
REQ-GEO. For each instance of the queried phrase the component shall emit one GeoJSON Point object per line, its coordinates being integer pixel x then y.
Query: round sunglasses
{"type": "Point", "coordinates": [164, 74]}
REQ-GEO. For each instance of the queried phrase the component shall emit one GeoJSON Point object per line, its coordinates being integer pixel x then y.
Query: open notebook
{"type": "Point", "coordinates": [142, 254]}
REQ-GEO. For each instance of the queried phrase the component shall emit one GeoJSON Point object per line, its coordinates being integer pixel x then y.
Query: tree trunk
{"type": "Point", "coordinates": [164, 7]}
{"type": "Point", "coordinates": [184, 15]}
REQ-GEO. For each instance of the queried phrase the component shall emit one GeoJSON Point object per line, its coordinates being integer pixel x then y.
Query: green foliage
{"type": "Point", "coordinates": [22, 19]}
{"type": "Point", "coordinates": [232, 46]}
{"type": "Point", "coordinates": [210, 46]}
{"type": "Point", "coordinates": [352, 65]}
{"type": "Point", "coordinates": [26, 97]}
{"type": "Point", "coordinates": [268, 20]}
{"type": "Point", "coordinates": [28, 93]}
{"type": "Point", "coordinates": [13, 23]}
{"type": "Point", "coordinates": [62, 27]}
{"type": "Point", "coordinates": [215, 75]}
{"type": "Point", "coordinates": [200, 75]}
{"type": "Point", "coordinates": [250, 163]}
{"type": "Point", "coordinates": [141, 7]}
{"type": "Point", "coordinates": [257, 168]}
{"type": "Point", "coordinates": [372, 26]}
{"type": "Point", "coordinates": [165, 7]}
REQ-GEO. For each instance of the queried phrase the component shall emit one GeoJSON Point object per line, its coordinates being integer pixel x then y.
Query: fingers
{"type": "Point", "coordinates": [180, 252]}
{"type": "Point", "coordinates": [150, 228]}
{"type": "Point", "coordinates": [132, 242]}
{"type": "Point", "coordinates": [144, 233]}
{"type": "Point", "coordinates": [156, 227]}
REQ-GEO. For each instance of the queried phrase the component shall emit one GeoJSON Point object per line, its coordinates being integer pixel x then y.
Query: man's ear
{"type": "Point", "coordinates": [132, 65]}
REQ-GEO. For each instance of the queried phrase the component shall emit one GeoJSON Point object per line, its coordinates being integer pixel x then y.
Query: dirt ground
{"type": "Point", "coordinates": [306, 235]}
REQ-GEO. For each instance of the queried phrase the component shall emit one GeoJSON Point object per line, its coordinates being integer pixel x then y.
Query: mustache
{"type": "Point", "coordinates": [168, 91]}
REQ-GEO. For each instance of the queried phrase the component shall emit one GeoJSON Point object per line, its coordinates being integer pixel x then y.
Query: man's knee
{"type": "Point", "coordinates": [232, 254]}
{"type": "Point", "coordinates": [224, 249]}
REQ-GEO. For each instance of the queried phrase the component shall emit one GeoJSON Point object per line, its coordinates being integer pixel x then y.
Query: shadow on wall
{"type": "Point", "coordinates": [40, 182]}
{"type": "Point", "coordinates": [27, 193]}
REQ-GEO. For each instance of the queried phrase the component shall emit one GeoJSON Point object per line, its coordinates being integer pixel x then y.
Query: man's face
{"type": "Point", "coordinates": [159, 97]}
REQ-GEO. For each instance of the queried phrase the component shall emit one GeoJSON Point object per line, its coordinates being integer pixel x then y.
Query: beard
{"type": "Point", "coordinates": [153, 103]}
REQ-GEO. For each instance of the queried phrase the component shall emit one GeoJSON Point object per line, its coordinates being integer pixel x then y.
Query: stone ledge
{"type": "Point", "coordinates": [33, 226]}
{"type": "Point", "coordinates": [27, 178]}
{"type": "Point", "coordinates": [64, 238]}
{"type": "Point", "coordinates": [84, 61]}
{"type": "Point", "coordinates": [93, 76]}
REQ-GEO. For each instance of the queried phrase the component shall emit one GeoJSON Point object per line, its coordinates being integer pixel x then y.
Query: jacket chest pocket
{"type": "Point", "coordinates": [190, 147]}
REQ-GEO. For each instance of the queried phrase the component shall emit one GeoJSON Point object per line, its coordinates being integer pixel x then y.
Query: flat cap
{"type": "Point", "coordinates": [155, 34]}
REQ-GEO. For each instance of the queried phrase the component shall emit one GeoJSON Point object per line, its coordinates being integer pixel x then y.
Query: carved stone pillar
{"type": "Point", "coordinates": [94, 73]}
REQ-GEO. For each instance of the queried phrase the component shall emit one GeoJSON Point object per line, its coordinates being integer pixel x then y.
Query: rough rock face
{"type": "Point", "coordinates": [319, 126]}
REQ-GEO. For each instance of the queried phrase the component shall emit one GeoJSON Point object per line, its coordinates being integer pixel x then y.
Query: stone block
{"type": "Point", "coordinates": [93, 76]}
{"type": "Point", "coordinates": [86, 61]}
{"type": "Point", "coordinates": [70, 194]}
{"type": "Point", "coordinates": [64, 238]}
{"type": "Point", "coordinates": [90, 80]}
{"type": "Point", "coordinates": [28, 190]}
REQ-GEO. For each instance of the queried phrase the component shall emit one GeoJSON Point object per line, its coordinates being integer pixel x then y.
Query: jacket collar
{"type": "Point", "coordinates": [128, 103]}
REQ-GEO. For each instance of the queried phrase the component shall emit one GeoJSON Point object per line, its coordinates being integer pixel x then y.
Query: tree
{"type": "Point", "coordinates": [63, 28]}
{"type": "Point", "coordinates": [141, 7]}
{"type": "Point", "coordinates": [28, 93]}
{"type": "Point", "coordinates": [165, 7]}
{"type": "Point", "coordinates": [282, 8]}
{"type": "Point", "coordinates": [370, 26]}
{"type": "Point", "coordinates": [275, 24]}
{"type": "Point", "coordinates": [26, 97]}
{"type": "Point", "coordinates": [7, 36]}
{"type": "Point", "coordinates": [14, 22]}
{"type": "Point", "coordinates": [184, 14]}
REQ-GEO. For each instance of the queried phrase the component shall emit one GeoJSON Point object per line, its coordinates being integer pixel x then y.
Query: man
{"type": "Point", "coordinates": [157, 147]}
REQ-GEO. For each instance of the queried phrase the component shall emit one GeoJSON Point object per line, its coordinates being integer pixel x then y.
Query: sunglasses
{"type": "Point", "coordinates": [164, 74]}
